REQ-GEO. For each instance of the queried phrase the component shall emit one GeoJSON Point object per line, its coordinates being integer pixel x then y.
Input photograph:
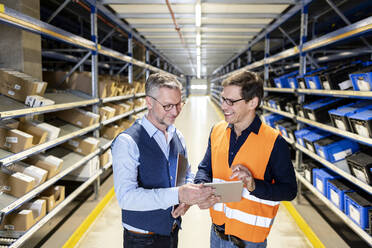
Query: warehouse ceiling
{"type": "Point", "coordinates": [209, 31]}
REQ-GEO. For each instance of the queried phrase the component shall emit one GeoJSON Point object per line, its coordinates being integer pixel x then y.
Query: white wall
{"type": "Point", "coordinates": [198, 87]}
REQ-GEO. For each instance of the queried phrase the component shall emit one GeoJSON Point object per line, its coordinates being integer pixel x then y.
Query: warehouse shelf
{"type": "Point", "coordinates": [289, 141]}
{"type": "Point", "coordinates": [106, 166]}
{"type": "Point", "coordinates": [10, 108]}
{"type": "Point", "coordinates": [336, 131]}
{"type": "Point", "coordinates": [68, 131]}
{"type": "Point", "coordinates": [286, 114]}
{"type": "Point", "coordinates": [23, 236]}
{"type": "Point", "coordinates": [118, 117]}
{"type": "Point", "coordinates": [336, 169]}
{"type": "Point", "coordinates": [281, 90]}
{"type": "Point", "coordinates": [340, 93]}
{"type": "Point", "coordinates": [341, 34]}
{"type": "Point", "coordinates": [71, 161]}
{"type": "Point", "coordinates": [28, 23]}
{"type": "Point", "coordinates": [104, 143]}
{"type": "Point", "coordinates": [116, 98]}
{"type": "Point", "coordinates": [140, 109]}
{"type": "Point", "coordinates": [139, 94]}
{"type": "Point", "coordinates": [336, 210]}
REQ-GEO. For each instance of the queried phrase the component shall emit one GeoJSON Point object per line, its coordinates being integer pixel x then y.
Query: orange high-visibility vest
{"type": "Point", "coordinates": [251, 218]}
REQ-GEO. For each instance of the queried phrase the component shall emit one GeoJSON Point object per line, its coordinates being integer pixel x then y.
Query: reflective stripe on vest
{"type": "Point", "coordinates": [251, 218]}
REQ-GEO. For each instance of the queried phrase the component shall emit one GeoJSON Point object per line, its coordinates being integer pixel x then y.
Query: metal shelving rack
{"type": "Point", "coordinates": [66, 100]}
{"type": "Point", "coordinates": [348, 32]}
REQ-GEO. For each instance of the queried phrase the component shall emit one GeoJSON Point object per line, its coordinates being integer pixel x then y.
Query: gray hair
{"type": "Point", "coordinates": [160, 80]}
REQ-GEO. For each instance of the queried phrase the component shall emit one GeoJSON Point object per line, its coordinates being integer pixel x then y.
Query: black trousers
{"type": "Point", "coordinates": [137, 240]}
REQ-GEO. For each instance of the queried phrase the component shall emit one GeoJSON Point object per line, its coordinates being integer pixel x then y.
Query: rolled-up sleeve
{"type": "Point", "coordinates": [125, 156]}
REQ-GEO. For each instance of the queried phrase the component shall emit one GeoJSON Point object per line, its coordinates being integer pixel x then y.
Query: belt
{"type": "Point", "coordinates": [235, 240]}
{"type": "Point", "coordinates": [174, 227]}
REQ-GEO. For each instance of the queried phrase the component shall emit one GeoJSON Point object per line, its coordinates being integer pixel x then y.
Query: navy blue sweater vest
{"type": "Point", "coordinates": [154, 171]}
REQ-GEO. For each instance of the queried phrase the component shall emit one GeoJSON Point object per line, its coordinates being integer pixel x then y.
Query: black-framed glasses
{"type": "Point", "coordinates": [230, 102]}
{"type": "Point", "coordinates": [169, 107]}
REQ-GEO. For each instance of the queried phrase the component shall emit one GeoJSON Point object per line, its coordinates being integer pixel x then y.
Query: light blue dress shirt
{"type": "Point", "coordinates": [125, 154]}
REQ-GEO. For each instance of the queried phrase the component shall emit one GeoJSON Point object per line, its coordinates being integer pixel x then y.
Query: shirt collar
{"type": "Point", "coordinates": [254, 127]}
{"type": "Point", "coordinates": [151, 129]}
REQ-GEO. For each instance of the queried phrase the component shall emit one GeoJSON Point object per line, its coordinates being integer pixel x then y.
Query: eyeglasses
{"type": "Point", "coordinates": [169, 107]}
{"type": "Point", "coordinates": [230, 102]}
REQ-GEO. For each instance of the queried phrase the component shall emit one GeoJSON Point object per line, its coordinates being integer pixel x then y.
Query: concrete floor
{"type": "Point", "coordinates": [195, 122]}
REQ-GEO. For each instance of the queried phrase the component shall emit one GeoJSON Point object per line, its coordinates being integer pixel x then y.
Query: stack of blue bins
{"type": "Point", "coordinates": [299, 81]}
{"type": "Point", "coordinates": [318, 110]}
{"type": "Point", "coordinates": [340, 116]}
{"type": "Point", "coordinates": [270, 119]}
{"type": "Point", "coordinates": [335, 148]}
{"type": "Point", "coordinates": [313, 136]}
{"type": "Point", "coordinates": [282, 81]}
{"type": "Point", "coordinates": [299, 134]}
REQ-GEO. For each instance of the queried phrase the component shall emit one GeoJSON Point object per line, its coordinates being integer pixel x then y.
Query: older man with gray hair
{"type": "Point", "coordinates": [144, 164]}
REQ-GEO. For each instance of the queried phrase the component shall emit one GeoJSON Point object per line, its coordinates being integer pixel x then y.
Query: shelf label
{"type": "Point", "coordinates": [308, 175]}
{"type": "Point", "coordinates": [311, 116]}
{"type": "Point", "coordinates": [354, 214]}
{"type": "Point", "coordinates": [362, 130]}
{"type": "Point", "coordinates": [321, 153]}
{"type": "Point", "coordinates": [11, 139]}
{"type": "Point", "coordinates": [363, 85]}
{"type": "Point", "coordinates": [340, 124]}
{"type": "Point", "coordinates": [360, 175]}
{"type": "Point", "coordinates": [319, 185]}
{"type": "Point", "coordinates": [341, 155]}
{"type": "Point", "coordinates": [335, 198]}
{"type": "Point", "coordinates": [326, 85]}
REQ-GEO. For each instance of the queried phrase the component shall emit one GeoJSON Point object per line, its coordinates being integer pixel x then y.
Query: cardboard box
{"type": "Point", "coordinates": [87, 170]}
{"type": "Point", "coordinates": [119, 109]}
{"type": "Point", "coordinates": [139, 87]}
{"type": "Point", "coordinates": [14, 140]}
{"type": "Point", "coordinates": [111, 131]}
{"type": "Point", "coordinates": [52, 131]}
{"type": "Point", "coordinates": [106, 113]}
{"type": "Point", "coordinates": [82, 81]}
{"type": "Point", "coordinates": [126, 123]}
{"type": "Point", "coordinates": [11, 123]}
{"type": "Point", "coordinates": [53, 196]}
{"type": "Point", "coordinates": [139, 102]}
{"type": "Point", "coordinates": [38, 101]}
{"type": "Point", "coordinates": [18, 85]}
{"type": "Point", "coordinates": [23, 219]}
{"type": "Point", "coordinates": [54, 79]}
{"type": "Point", "coordinates": [17, 184]}
{"type": "Point", "coordinates": [78, 117]}
{"type": "Point", "coordinates": [39, 174]}
{"type": "Point", "coordinates": [105, 158]}
{"type": "Point", "coordinates": [49, 163]}
{"type": "Point", "coordinates": [40, 135]}
{"type": "Point", "coordinates": [82, 145]}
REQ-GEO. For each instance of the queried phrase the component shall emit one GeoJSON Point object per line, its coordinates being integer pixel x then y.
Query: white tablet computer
{"type": "Point", "coordinates": [229, 191]}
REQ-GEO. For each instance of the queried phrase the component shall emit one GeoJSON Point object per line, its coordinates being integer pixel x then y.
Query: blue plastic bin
{"type": "Point", "coordinates": [312, 136]}
{"type": "Point", "coordinates": [362, 81]}
{"type": "Point", "coordinates": [320, 178]}
{"type": "Point", "coordinates": [336, 190]}
{"type": "Point", "coordinates": [357, 206]}
{"type": "Point", "coordinates": [335, 148]}
{"type": "Point", "coordinates": [339, 116]}
{"type": "Point", "coordinates": [361, 123]}
{"type": "Point", "coordinates": [272, 118]}
{"type": "Point", "coordinates": [299, 134]}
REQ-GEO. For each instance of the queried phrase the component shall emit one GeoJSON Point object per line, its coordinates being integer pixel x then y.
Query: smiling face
{"type": "Point", "coordinates": [241, 113]}
{"type": "Point", "coordinates": [157, 115]}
